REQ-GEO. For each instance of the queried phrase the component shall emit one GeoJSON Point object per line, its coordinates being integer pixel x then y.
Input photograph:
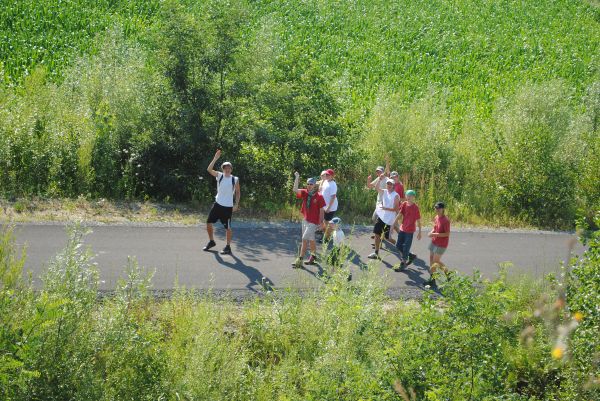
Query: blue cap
{"type": "Point", "coordinates": [311, 181]}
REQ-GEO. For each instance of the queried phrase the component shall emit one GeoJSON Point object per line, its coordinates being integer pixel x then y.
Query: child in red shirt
{"type": "Point", "coordinates": [313, 211]}
{"type": "Point", "coordinates": [440, 236]}
{"type": "Point", "coordinates": [411, 218]}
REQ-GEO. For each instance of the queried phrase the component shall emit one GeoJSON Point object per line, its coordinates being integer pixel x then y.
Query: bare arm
{"type": "Point", "coordinates": [296, 182]}
{"type": "Point", "coordinates": [238, 195]}
{"type": "Point", "coordinates": [211, 166]}
{"type": "Point", "coordinates": [419, 225]}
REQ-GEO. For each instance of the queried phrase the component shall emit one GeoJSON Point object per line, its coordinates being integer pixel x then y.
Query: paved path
{"type": "Point", "coordinates": [267, 250]}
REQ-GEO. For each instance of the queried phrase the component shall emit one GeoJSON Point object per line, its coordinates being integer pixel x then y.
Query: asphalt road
{"type": "Point", "coordinates": [267, 250]}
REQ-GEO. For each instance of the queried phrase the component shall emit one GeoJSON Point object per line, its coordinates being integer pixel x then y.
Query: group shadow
{"type": "Point", "coordinates": [257, 282]}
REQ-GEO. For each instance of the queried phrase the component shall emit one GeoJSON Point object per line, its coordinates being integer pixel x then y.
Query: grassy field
{"type": "Point", "coordinates": [480, 339]}
{"type": "Point", "coordinates": [490, 107]}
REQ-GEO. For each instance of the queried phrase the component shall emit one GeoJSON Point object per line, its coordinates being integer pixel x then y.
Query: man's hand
{"type": "Point", "coordinates": [217, 154]}
{"type": "Point", "coordinates": [236, 208]}
{"type": "Point", "coordinates": [296, 174]}
{"type": "Point", "coordinates": [370, 178]}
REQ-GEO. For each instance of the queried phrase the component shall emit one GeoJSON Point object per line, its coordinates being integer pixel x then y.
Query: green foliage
{"type": "Point", "coordinates": [482, 339]}
{"type": "Point", "coordinates": [491, 108]}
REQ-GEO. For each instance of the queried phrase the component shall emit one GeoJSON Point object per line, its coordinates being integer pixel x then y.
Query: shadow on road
{"type": "Point", "coordinates": [255, 277]}
{"type": "Point", "coordinates": [253, 244]}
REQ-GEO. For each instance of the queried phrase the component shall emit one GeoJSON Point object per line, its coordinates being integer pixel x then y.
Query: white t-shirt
{"type": "Point", "coordinates": [225, 190]}
{"type": "Point", "coordinates": [328, 189]}
{"type": "Point", "coordinates": [338, 237]}
{"type": "Point", "coordinates": [387, 197]}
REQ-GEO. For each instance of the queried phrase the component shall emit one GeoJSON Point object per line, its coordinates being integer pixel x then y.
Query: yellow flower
{"type": "Point", "coordinates": [578, 316]}
{"type": "Point", "coordinates": [558, 352]}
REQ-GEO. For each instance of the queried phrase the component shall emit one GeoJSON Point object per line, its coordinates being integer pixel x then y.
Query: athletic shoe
{"type": "Point", "coordinates": [297, 263]}
{"type": "Point", "coordinates": [226, 250]}
{"type": "Point", "coordinates": [400, 267]}
{"type": "Point", "coordinates": [411, 258]}
{"type": "Point", "coordinates": [374, 255]}
{"type": "Point", "coordinates": [311, 260]}
{"type": "Point", "coordinates": [210, 244]}
{"type": "Point", "coordinates": [430, 282]}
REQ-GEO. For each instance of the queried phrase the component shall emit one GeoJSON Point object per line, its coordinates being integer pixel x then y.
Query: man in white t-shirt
{"type": "Point", "coordinates": [328, 190]}
{"type": "Point", "coordinates": [386, 215]}
{"type": "Point", "coordinates": [228, 188]}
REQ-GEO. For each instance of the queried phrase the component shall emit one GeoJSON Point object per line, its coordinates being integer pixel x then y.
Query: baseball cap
{"type": "Point", "coordinates": [311, 181]}
{"type": "Point", "coordinates": [390, 181]}
{"type": "Point", "coordinates": [440, 205]}
{"type": "Point", "coordinates": [336, 220]}
{"type": "Point", "coordinates": [324, 172]}
{"type": "Point", "coordinates": [330, 171]}
{"type": "Point", "coordinates": [379, 168]}
{"type": "Point", "coordinates": [226, 164]}
{"type": "Point", "coordinates": [411, 192]}
{"type": "Point", "coordinates": [394, 174]}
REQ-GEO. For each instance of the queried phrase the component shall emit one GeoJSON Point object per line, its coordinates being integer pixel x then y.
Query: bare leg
{"type": "Point", "coordinates": [437, 259]}
{"type": "Point", "coordinates": [377, 243]}
{"type": "Point", "coordinates": [228, 236]}
{"type": "Point", "coordinates": [303, 249]}
{"type": "Point", "coordinates": [210, 231]}
{"type": "Point", "coordinates": [313, 247]}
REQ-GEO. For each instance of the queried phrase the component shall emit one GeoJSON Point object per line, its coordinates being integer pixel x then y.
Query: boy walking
{"type": "Point", "coordinates": [411, 218]}
{"type": "Point", "coordinates": [440, 236]}
{"type": "Point", "coordinates": [313, 211]}
{"type": "Point", "coordinates": [228, 188]}
{"type": "Point", "coordinates": [328, 190]}
{"type": "Point", "coordinates": [386, 215]}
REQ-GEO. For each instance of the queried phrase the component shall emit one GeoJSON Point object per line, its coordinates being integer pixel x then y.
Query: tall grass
{"type": "Point", "coordinates": [482, 339]}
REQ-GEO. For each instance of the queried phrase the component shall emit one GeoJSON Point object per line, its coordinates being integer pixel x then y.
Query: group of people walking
{"type": "Point", "coordinates": [395, 211]}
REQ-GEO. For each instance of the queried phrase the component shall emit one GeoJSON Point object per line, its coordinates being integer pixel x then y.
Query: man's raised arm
{"type": "Point", "coordinates": [211, 166]}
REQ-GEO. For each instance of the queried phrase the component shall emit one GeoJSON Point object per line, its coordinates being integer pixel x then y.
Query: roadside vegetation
{"type": "Point", "coordinates": [493, 108]}
{"type": "Point", "coordinates": [476, 339]}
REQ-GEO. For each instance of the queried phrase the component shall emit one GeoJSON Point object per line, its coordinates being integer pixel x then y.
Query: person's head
{"type": "Point", "coordinates": [227, 168]}
{"type": "Point", "coordinates": [394, 175]}
{"type": "Point", "coordinates": [379, 170]}
{"type": "Point", "coordinates": [327, 175]}
{"type": "Point", "coordinates": [335, 223]}
{"type": "Point", "coordinates": [389, 184]}
{"type": "Point", "coordinates": [311, 185]}
{"type": "Point", "coordinates": [440, 208]}
{"type": "Point", "coordinates": [410, 195]}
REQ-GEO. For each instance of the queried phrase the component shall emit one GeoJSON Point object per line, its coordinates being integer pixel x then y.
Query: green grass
{"type": "Point", "coordinates": [481, 339]}
{"type": "Point", "coordinates": [491, 107]}
{"type": "Point", "coordinates": [52, 34]}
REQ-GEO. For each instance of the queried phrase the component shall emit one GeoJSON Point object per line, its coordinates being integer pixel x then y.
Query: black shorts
{"type": "Point", "coordinates": [328, 216]}
{"type": "Point", "coordinates": [381, 228]}
{"type": "Point", "coordinates": [222, 213]}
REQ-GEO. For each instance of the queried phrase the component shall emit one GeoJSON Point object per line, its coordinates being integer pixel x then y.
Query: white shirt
{"type": "Point", "coordinates": [387, 198]}
{"type": "Point", "coordinates": [338, 237]}
{"type": "Point", "coordinates": [328, 189]}
{"type": "Point", "coordinates": [225, 190]}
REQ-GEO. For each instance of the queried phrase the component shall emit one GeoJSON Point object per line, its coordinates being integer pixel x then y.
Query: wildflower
{"type": "Point", "coordinates": [578, 316]}
{"type": "Point", "coordinates": [558, 352]}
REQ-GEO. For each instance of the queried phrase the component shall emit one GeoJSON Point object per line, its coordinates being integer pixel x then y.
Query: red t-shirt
{"type": "Point", "coordinates": [399, 188]}
{"type": "Point", "coordinates": [441, 224]}
{"type": "Point", "coordinates": [411, 214]}
{"type": "Point", "coordinates": [311, 214]}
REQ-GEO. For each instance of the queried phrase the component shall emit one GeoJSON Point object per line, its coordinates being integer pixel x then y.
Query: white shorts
{"type": "Point", "coordinates": [308, 231]}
